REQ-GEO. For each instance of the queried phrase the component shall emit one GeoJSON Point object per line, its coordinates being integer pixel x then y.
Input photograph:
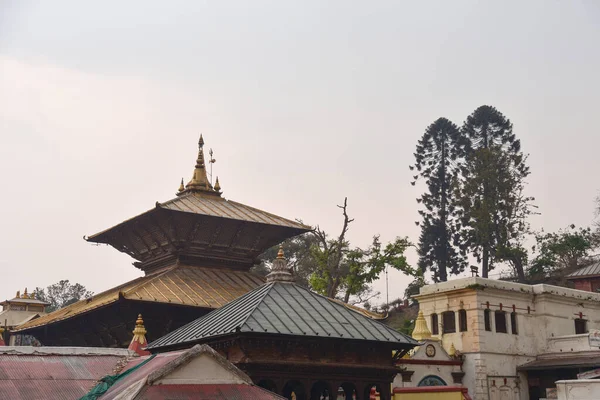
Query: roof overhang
{"type": "Point", "coordinates": [560, 362]}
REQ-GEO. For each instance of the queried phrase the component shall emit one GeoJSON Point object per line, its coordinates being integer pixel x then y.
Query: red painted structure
{"type": "Point", "coordinates": [434, 389]}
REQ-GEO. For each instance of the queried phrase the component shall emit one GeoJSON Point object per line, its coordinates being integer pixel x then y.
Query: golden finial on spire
{"type": "Point", "coordinates": [139, 337]}
{"type": "Point", "coordinates": [452, 351]}
{"type": "Point", "coordinates": [280, 272]}
{"type": "Point", "coordinates": [199, 182]}
{"type": "Point", "coordinates": [421, 330]}
{"type": "Point", "coordinates": [18, 294]}
{"type": "Point", "coordinates": [24, 294]}
{"type": "Point", "coordinates": [181, 187]}
{"type": "Point", "coordinates": [217, 185]}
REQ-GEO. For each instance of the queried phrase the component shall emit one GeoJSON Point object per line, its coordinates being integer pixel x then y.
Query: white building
{"type": "Point", "coordinates": [516, 340]}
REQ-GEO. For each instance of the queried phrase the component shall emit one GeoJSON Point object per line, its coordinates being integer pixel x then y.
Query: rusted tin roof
{"type": "Point", "coordinates": [585, 272]}
{"type": "Point", "coordinates": [284, 309]}
{"type": "Point", "coordinates": [146, 382]}
{"type": "Point", "coordinates": [182, 285]}
{"type": "Point", "coordinates": [52, 376]}
{"type": "Point", "coordinates": [207, 392]}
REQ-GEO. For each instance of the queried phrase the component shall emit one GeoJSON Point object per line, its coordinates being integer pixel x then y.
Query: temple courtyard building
{"type": "Point", "coordinates": [515, 341]}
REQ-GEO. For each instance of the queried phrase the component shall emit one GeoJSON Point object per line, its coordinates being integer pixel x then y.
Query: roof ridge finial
{"type": "Point", "coordinates": [280, 272]}
{"type": "Point", "coordinates": [217, 185]}
{"type": "Point", "coordinates": [421, 330]}
{"type": "Point", "coordinates": [181, 187]}
{"type": "Point", "coordinates": [139, 338]}
{"type": "Point", "coordinates": [199, 181]}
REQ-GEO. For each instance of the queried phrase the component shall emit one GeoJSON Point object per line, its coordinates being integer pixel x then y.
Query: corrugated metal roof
{"type": "Point", "coordinates": [590, 270]}
{"type": "Point", "coordinates": [207, 392]}
{"type": "Point", "coordinates": [219, 207]}
{"type": "Point", "coordinates": [184, 285]}
{"type": "Point", "coordinates": [286, 309]}
{"type": "Point", "coordinates": [52, 376]}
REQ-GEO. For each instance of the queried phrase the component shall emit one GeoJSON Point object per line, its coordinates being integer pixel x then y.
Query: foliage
{"type": "Point", "coordinates": [61, 294]}
{"type": "Point", "coordinates": [332, 267]}
{"type": "Point", "coordinates": [413, 288]}
{"type": "Point", "coordinates": [493, 209]}
{"type": "Point", "coordinates": [566, 249]}
{"type": "Point", "coordinates": [437, 155]}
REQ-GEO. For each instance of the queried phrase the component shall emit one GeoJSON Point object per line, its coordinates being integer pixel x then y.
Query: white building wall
{"type": "Point", "coordinates": [544, 314]}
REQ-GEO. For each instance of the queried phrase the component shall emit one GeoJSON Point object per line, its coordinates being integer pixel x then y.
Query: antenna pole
{"type": "Point", "coordinates": [387, 292]}
{"type": "Point", "coordinates": [211, 161]}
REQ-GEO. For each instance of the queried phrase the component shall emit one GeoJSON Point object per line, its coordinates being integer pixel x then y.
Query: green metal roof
{"type": "Point", "coordinates": [284, 309]}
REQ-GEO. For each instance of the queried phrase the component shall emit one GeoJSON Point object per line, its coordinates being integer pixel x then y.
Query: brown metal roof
{"type": "Point", "coordinates": [219, 207]}
{"type": "Point", "coordinates": [590, 270]}
{"type": "Point", "coordinates": [27, 376]}
{"type": "Point", "coordinates": [556, 362]}
{"type": "Point", "coordinates": [182, 285]}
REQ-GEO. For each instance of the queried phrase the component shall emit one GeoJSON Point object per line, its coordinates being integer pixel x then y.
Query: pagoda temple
{"type": "Point", "coordinates": [297, 343]}
{"type": "Point", "coordinates": [195, 250]}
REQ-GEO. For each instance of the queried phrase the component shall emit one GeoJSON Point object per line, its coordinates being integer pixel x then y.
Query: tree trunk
{"type": "Point", "coordinates": [485, 262]}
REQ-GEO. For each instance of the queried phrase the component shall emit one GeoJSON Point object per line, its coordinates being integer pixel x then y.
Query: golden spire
{"type": "Point", "coordinates": [18, 294]}
{"type": "Point", "coordinates": [421, 330]}
{"type": "Point", "coordinates": [217, 185]}
{"type": "Point", "coordinates": [280, 272]}
{"type": "Point", "coordinates": [25, 296]}
{"type": "Point", "coordinates": [199, 181]}
{"type": "Point", "coordinates": [181, 187]}
{"type": "Point", "coordinates": [139, 337]}
{"type": "Point", "coordinates": [452, 351]}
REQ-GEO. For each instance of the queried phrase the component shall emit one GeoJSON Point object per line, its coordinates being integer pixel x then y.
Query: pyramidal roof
{"type": "Point", "coordinates": [283, 308]}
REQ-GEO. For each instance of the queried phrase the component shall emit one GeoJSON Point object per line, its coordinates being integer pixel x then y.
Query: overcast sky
{"type": "Point", "coordinates": [303, 102]}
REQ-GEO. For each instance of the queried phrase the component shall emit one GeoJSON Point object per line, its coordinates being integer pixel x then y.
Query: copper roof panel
{"type": "Point", "coordinates": [183, 285]}
{"type": "Point", "coordinates": [219, 207]}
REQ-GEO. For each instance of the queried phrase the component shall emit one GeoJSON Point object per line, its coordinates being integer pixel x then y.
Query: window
{"type": "Point", "coordinates": [434, 324]}
{"type": "Point", "coordinates": [448, 322]}
{"type": "Point", "coordinates": [432, 380]}
{"type": "Point", "coordinates": [500, 320]}
{"type": "Point", "coordinates": [580, 326]}
{"type": "Point", "coordinates": [513, 323]}
{"type": "Point", "coordinates": [462, 320]}
{"type": "Point", "coordinates": [486, 320]}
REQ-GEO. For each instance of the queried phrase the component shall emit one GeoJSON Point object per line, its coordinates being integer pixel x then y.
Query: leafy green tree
{"type": "Point", "coordinates": [563, 251]}
{"type": "Point", "coordinates": [493, 210]}
{"type": "Point", "coordinates": [330, 266]}
{"type": "Point", "coordinates": [61, 294]}
{"type": "Point", "coordinates": [437, 158]}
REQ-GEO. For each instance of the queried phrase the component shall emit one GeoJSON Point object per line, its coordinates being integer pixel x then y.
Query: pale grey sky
{"type": "Point", "coordinates": [304, 103]}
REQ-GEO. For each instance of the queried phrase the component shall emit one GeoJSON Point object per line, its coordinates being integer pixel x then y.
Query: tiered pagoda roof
{"type": "Point", "coordinates": [196, 250]}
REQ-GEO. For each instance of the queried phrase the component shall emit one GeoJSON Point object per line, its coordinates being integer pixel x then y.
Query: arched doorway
{"type": "Point", "coordinates": [321, 391]}
{"type": "Point", "coordinates": [268, 384]}
{"type": "Point", "coordinates": [346, 391]}
{"type": "Point", "coordinates": [294, 387]}
{"type": "Point", "coordinates": [432, 380]}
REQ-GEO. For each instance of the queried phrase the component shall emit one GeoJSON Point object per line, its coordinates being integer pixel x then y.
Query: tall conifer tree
{"type": "Point", "coordinates": [493, 208]}
{"type": "Point", "coordinates": [437, 160]}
